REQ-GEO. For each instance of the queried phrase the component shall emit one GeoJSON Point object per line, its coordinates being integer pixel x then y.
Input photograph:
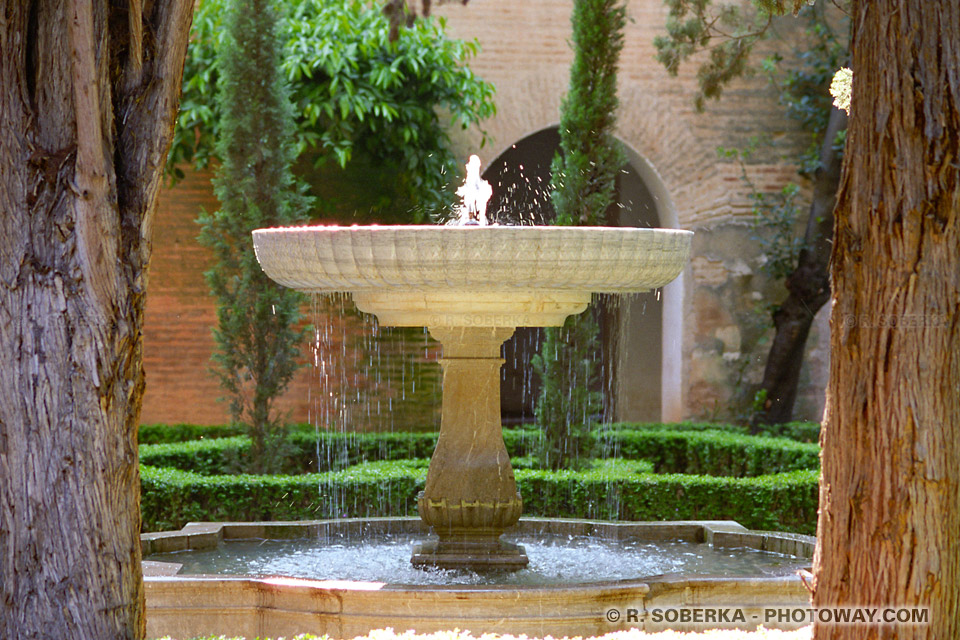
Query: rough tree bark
{"type": "Point", "coordinates": [890, 484]}
{"type": "Point", "coordinates": [88, 96]}
{"type": "Point", "coordinates": [808, 287]}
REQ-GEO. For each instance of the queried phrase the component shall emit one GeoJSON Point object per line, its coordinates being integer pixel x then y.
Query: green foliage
{"type": "Point", "coordinates": [569, 402]}
{"type": "Point", "coordinates": [663, 472]}
{"type": "Point", "coordinates": [257, 338]}
{"type": "Point", "coordinates": [728, 32]}
{"type": "Point", "coordinates": [618, 491]}
{"type": "Point", "coordinates": [713, 453]}
{"type": "Point", "coordinates": [171, 497]}
{"type": "Point", "coordinates": [802, 88]}
{"type": "Point", "coordinates": [583, 174]}
{"type": "Point", "coordinates": [676, 447]}
{"type": "Point", "coordinates": [582, 184]}
{"type": "Point", "coordinates": [775, 216]}
{"type": "Point", "coordinates": [800, 431]}
{"type": "Point", "coordinates": [356, 94]}
{"type": "Point", "coordinates": [160, 433]}
{"type": "Point", "coordinates": [803, 85]}
{"type": "Point", "coordinates": [305, 451]}
{"type": "Point", "coordinates": [782, 502]}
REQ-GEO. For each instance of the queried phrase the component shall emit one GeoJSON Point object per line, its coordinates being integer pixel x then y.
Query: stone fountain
{"type": "Point", "coordinates": [471, 286]}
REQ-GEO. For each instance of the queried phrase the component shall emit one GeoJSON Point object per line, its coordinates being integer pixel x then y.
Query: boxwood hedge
{"type": "Point", "coordinates": [715, 452]}
{"type": "Point", "coordinates": [787, 501]}
{"type": "Point", "coordinates": [662, 472]}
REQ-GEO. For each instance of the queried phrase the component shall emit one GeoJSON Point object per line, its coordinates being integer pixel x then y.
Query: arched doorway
{"type": "Point", "coordinates": [632, 330]}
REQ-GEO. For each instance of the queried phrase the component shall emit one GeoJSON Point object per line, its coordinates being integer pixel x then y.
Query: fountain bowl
{"type": "Point", "coordinates": [190, 606]}
{"type": "Point", "coordinates": [474, 276]}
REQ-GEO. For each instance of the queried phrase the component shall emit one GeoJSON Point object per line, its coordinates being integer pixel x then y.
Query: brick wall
{"type": "Point", "coordinates": [525, 54]}
{"type": "Point", "coordinates": [349, 385]}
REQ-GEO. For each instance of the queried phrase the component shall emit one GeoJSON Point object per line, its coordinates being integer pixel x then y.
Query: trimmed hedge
{"type": "Point", "coordinates": [716, 453]}
{"type": "Point", "coordinates": [170, 498]}
{"type": "Point", "coordinates": [663, 472]}
{"type": "Point", "coordinates": [799, 431]}
{"type": "Point", "coordinates": [326, 451]}
{"type": "Point", "coordinates": [616, 490]}
{"type": "Point", "coordinates": [160, 433]}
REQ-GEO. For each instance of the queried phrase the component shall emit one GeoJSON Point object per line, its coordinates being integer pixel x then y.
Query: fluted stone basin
{"type": "Point", "coordinates": [471, 286]}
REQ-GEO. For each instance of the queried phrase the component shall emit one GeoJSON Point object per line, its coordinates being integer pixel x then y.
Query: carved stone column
{"type": "Point", "coordinates": [470, 496]}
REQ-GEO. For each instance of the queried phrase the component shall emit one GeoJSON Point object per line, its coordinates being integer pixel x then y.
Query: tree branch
{"type": "Point", "coordinates": [145, 122]}
{"type": "Point", "coordinates": [134, 70]}
{"type": "Point", "coordinates": [96, 237]}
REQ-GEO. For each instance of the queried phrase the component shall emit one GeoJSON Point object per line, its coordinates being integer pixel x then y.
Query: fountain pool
{"type": "Point", "coordinates": [584, 570]}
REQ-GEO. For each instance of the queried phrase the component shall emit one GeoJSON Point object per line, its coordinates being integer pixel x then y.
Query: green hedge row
{"type": "Point", "coordinates": [160, 433]}
{"type": "Point", "coordinates": [308, 451]}
{"type": "Point", "coordinates": [615, 490]}
{"type": "Point", "coordinates": [716, 453]}
{"type": "Point", "coordinates": [799, 431]}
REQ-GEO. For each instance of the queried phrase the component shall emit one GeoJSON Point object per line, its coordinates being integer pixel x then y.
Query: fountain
{"type": "Point", "coordinates": [471, 285]}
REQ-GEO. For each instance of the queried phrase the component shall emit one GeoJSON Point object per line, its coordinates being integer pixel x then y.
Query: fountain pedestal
{"type": "Point", "coordinates": [471, 495]}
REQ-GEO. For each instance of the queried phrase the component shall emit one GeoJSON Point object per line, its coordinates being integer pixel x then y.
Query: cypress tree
{"type": "Point", "coordinates": [257, 334]}
{"type": "Point", "coordinates": [583, 186]}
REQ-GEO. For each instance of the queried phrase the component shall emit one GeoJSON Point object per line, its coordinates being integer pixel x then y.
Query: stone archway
{"type": "Point", "coordinates": [639, 351]}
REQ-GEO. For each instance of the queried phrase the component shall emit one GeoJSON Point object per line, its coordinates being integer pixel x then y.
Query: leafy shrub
{"type": "Point", "coordinates": [159, 433]}
{"type": "Point", "coordinates": [663, 472]}
{"type": "Point", "coordinates": [714, 453]}
{"type": "Point", "coordinates": [307, 451]}
{"type": "Point", "coordinates": [170, 498]}
{"type": "Point", "coordinates": [616, 490]}
{"type": "Point", "coordinates": [357, 94]}
{"type": "Point", "coordinates": [801, 431]}
{"type": "Point", "coordinates": [719, 453]}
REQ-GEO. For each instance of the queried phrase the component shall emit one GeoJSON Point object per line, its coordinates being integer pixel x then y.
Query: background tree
{"type": "Point", "coordinates": [362, 101]}
{"type": "Point", "coordinates": [258, 340]}
{"type": "Point", "coordinates": [582, 188]}
{"type": "Point", "coordinates": [890, 474]}
{"type": "Point", "coordinates": [88, 97]}
{"type": "Point", "coordinates": [730, 33]}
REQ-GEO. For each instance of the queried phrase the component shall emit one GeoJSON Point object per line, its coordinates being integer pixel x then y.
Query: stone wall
{"type": "Point", "coordinates": [525, 54]}
{"type": "Point", "coordinates": [715, 329]}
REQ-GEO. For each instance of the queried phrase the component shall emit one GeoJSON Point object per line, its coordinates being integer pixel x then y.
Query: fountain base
{"type": "Point", "coordinates": [478, 556]}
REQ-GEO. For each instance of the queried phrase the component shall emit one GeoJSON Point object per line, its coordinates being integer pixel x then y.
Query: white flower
{"type": "Point", "coordinates": [841, 87]}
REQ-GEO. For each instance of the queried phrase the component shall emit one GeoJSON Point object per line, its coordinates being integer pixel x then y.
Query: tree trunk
{"type": "Point", "coordinates": [890, 479]}
{"type": "Point", "coordinates": [88, 96]}
{"type": "Point", "coordinates": [808, 286]}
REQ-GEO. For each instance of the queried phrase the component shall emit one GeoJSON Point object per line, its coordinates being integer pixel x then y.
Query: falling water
{"type": "Point", "coordinates": [383, 379]}
{"type": "Point", "coordinates": [368, 379]}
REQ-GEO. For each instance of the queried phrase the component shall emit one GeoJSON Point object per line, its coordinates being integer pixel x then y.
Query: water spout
{"type": "Point", "coordinates": [475, 192]}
